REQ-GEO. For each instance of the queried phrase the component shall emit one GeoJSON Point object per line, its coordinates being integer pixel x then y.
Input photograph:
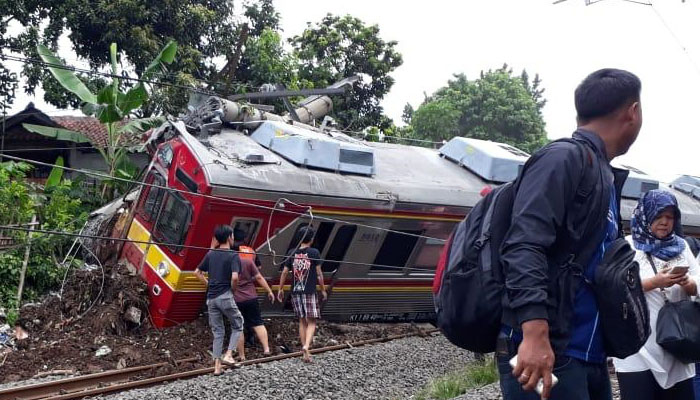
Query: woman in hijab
{"type": "Point", "coordinates": [653, 373]}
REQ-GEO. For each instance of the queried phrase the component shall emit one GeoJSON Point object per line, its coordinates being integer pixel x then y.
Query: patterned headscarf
{"type": "Point", "coordinates": [648, 208]}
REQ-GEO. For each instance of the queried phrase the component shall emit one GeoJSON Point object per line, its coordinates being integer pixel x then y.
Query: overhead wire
{"type": "Point", "coordinates": [212, 197]}
{"type": "Point", "coordinates": [184, 246]}
{"type": "Point", "coordinates": [35, 61]}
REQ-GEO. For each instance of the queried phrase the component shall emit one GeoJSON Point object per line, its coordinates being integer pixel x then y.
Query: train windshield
{"type": "Point", "coordinates": [174, 221]}
{"type": "Point", "coordinates": [153, 196]}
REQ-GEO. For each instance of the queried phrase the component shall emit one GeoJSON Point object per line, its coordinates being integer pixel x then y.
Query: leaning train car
{"type": "Point", "coordinates": [381, 211]}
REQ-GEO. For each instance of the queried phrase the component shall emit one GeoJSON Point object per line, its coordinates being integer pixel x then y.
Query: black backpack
{"type": "Point", "coordinates": [468, 284]}
{"type": "Point", "coordinates": [469, 279]}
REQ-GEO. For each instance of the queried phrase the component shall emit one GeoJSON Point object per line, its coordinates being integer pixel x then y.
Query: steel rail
{"type": "Point", "coordinates": [111, 382]}
{"type": "Point", "coordinates": [80, 383]}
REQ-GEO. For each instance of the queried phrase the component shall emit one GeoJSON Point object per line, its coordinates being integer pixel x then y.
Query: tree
{"type": "Point", "coordinates": [407, 113]}
{"type": "Point", "coordinates": [339, 47]}
{"type": "Point", "coordinates": [204, 29]}
{"type": "Point", "coordinates": [498, 106]}
{"type": "Point", "coordinates": [111, 106]}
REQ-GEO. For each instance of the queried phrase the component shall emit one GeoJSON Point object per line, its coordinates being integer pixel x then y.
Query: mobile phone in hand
{"type": "Point", "coordinates": [679, 270]}
{"type": "Point", "coordinates": [540, 384]}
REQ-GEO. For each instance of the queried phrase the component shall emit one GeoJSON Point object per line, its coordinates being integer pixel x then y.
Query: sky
{"type": "Point", "coordinates": [562, 43]}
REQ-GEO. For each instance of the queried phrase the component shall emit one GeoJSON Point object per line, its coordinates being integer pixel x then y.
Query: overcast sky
{"type": "Point", "coordinates": [563, 43]}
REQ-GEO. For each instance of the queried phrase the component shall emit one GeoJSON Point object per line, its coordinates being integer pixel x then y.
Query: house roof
{"type": "Point", "coordinates": [88, 126]}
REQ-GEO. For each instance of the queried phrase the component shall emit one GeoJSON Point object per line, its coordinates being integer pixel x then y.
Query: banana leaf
{"type": "Point", "coordinates": [57, 133]}
{"type": "Point", "coordinates": [65, 77]}
{"type": "Point", "coordinates": [55, 175]}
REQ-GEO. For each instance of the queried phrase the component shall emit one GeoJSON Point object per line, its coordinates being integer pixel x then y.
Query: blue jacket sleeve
{"type": "Point", "coordinates": [547, 187]}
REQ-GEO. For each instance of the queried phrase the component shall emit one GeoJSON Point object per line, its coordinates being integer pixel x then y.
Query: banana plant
{"type": "Point", "coordinates": [111, 105]}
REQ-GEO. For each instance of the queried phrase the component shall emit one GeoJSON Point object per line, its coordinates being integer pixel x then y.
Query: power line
{"type": "Point", "coordinates": [105, 74]}
{"type": "Point", "coordinates": [212, 197]}
{"type": "Point", "coordinates": [676, 38]}
{"type": "Point", "coordinates": [163, 244]}
{"type": "Point", "coordinates": [88, 71]}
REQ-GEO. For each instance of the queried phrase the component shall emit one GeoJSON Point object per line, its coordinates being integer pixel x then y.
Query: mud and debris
{"type": "Point", "coordinates": [73, 332]}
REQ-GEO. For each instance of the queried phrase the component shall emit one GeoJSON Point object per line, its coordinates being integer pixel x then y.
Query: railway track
{"type": "Point", "coordinates": [110, 382]}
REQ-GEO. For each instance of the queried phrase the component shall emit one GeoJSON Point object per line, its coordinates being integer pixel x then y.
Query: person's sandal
{"type": "Point", "coordinates": [231, 363]}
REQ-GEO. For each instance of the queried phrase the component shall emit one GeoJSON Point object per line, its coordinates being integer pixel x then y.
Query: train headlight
{"type": "Point", "coordinates": [163, 269]}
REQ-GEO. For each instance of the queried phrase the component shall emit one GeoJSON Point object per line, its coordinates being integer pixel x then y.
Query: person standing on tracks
{"type": "Point", "coordinates": [306, 274]}
{"type": "Point", "coordinates": [223, 266]}
{"type": "Point", "coordinates": [555, 331]}
{"type": "Point", "coordinates": [245, 252]}
{"type": "Point", "coordinates": [246, 296]}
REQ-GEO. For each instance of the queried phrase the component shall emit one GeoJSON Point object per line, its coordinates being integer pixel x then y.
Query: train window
{"type": "Point", "coordinates": [395, 251]}
{"type": "Point", "coordinates": [339, 246]}
{"type": "Point", "coordinates": [174, 221]}
{"type": "Point", "coordinates": [154, 196]}
{"type": "Point", "coordinates": [249, 226]}
{"type": "Point", "coordinates": [322, 234]}
{"type": "Point", "coordinates": [428, 256]}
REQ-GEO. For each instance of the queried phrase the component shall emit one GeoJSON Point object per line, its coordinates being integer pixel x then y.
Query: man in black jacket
{"type": "Point", "coordinates": [566, 210]}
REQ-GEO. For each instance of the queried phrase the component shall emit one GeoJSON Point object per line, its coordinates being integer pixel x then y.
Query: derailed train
{"type": "Point", "coordinates": [381, 211]}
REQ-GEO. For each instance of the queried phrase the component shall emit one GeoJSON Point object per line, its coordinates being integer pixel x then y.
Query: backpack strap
{"type": "Point", "coordinates": [483, 244]}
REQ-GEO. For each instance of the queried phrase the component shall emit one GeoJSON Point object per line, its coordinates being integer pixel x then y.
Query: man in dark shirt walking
{"type": "Point", "coordinates": [551, 328]}
{"type": "Point", "coordinates": [306, 273]}
{"type": "Point", "coordinates": [223, 266]}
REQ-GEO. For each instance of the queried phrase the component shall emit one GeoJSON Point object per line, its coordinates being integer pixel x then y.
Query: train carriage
{"type": "Point", "coordinates": [381, 211]}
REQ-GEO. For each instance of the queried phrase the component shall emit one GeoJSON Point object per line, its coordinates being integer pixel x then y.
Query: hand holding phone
{"type": "Point", "coordinates": [540, 384]}
{"type": "Point", "coordinates": [677, 270]}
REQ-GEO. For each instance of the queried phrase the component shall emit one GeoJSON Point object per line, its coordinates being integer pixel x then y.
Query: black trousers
{"type": "Point", "coordinates": [643, 386]}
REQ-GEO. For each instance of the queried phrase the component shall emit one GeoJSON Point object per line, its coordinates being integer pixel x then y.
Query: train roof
{"type": "Point", "coordinates": [402, 173]}
{"type": "Point", "coordinates": [405, 173]}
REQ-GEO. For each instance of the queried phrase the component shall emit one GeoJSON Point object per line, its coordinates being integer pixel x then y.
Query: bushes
{"type": "Point", "coordinates": [56, 208]}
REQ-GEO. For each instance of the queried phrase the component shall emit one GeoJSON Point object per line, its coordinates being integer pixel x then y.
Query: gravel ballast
{"type": "Point", "coordinates": [393, 370]}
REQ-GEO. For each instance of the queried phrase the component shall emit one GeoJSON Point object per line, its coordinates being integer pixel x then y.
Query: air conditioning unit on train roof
{"type": "Point", "coordinates": [687, 184]}
{"type": "Point", "coordinates": [492, 161]}
{"type": "Point", "coordinates": [313, 149]}
{"type": "Point", "coordinates": [637, 183]}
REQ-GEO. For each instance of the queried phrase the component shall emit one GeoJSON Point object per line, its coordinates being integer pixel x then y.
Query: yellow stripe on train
{"type": "Point", "coordinates": [391, 289]}
{"type": "Point", "coordinates": [157, 260]}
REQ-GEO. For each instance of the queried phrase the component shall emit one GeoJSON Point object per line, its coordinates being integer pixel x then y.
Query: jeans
{"type": "Point", "coordinates": [218, 307]}
{"type": "Point", "coordinates": [578, 380]}
{"type": "Point", "coordinates": [696, 381]}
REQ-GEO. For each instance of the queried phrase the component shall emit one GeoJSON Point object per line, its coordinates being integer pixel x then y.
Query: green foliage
{"type": "Point", "coordinates": [455, 384]}
{"type": "Point", "coordinates": [56, 207]}
{"type": "Point", "coordinates": [111, 106]}
{"type": "Point", "coordinates": [339, 47]}
{"type": "Point", "coordinates": [498, 106]}
{"type": "Point", "coordinates": [204, 29]}
{"type": "Point", "coordinates": [57, 133]}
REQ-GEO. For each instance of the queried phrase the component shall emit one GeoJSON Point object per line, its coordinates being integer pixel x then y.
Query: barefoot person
{"type": "Point", "coordinates": [306, 273]}
{"type": "Point", "coordinates": [246, 298]}
{"type": "Point", "coordinates": [223, 266]}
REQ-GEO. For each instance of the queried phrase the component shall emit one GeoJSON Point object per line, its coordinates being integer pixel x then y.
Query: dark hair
{"type": "Point", "coordinates": [306, 234]}
{"type": "Point", "coordinates": [222, 233]}
{"type": "Point", "coordinates": [238, 235]}
{"type": "Point", "coordinates": [604, 92]}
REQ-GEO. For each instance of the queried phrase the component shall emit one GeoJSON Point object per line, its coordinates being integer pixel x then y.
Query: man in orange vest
{"type": "Point", "coordinates": [246, 296]}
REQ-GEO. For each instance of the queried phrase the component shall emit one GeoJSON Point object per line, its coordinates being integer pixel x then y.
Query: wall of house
{"type": "Point", "coordinates": [94, 161]}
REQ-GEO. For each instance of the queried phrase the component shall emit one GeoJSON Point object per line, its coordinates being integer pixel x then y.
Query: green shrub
{"type": "Point", "coordinates": [478, 374]}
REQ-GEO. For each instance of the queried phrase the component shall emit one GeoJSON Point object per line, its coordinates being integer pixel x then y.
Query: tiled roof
{"type": "Point", "coordinates": [90, 127]}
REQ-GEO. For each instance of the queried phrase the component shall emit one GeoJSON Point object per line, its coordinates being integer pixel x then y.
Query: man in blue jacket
{"type": "Point", "coordinates": [567, 205]}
